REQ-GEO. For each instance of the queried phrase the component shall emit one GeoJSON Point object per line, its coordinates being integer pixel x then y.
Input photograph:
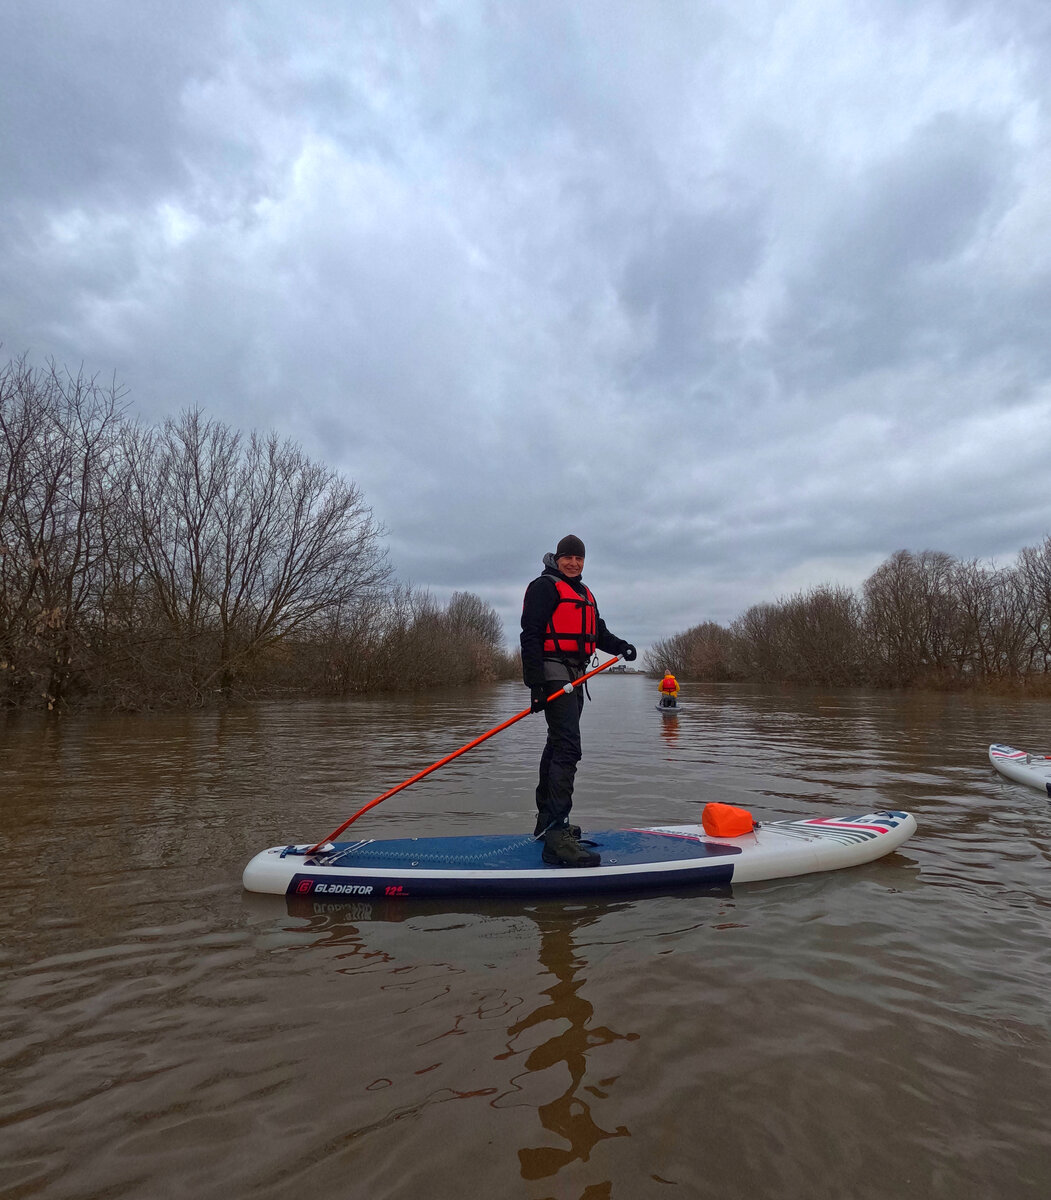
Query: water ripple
{"type": "Point", "coordinates": [871, 1033]}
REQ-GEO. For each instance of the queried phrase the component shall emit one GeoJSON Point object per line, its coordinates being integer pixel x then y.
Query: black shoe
{"type": "Point", "coordinates": [562, 849]}
{"type": "Point", "coordinates": [573, 829]}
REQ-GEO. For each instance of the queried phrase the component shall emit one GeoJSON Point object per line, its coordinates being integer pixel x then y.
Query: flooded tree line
{"type": "Point", "coordinates": [169, 565]}
{"type": "Point", "coordinates": [919, 620]}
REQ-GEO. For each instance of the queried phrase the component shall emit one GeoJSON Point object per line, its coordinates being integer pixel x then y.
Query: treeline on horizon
{"type": "Point", "coordinates": [924, 620]}
{"type": "Point", "coordinates": [171, 565]}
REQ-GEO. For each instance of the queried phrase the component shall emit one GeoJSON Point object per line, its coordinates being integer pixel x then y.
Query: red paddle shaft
{"type": "Point", "coordinates": [567, 689]}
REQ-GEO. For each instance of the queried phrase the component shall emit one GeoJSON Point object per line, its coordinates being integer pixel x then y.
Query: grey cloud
{"type": "Point", "coordinates": [889, 279]}
{"type": "Point", "coordinates": [679, 276]}
{"type": "Point", "coordinates": [704, 288]}
{"type": "Point", "coordinates": [92, 96]}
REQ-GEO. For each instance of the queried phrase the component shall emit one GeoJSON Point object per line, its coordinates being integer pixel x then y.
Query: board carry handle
{"type": "Point", "coordinates": [567, 689]}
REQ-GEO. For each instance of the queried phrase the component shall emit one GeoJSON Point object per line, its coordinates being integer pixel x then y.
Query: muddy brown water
{"type": "Point", "coordinates": [879, 1032]}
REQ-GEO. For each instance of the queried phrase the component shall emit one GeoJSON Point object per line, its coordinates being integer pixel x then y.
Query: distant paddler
{"type": "Point", "coordinates": [669, 690]}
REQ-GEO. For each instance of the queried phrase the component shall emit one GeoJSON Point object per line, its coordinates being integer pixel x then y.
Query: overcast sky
{"type": "Point", "coordinates": [748, 294]}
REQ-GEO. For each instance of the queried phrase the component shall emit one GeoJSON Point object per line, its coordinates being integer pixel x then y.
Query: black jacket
{"type": "Point", "coordinates": [541, 599]}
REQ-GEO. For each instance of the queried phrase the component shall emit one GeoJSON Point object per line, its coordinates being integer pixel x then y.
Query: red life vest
{"type": "Point", "coordinates": [573, 627]}
{"type": "Point", "coordinates": [668, 684]}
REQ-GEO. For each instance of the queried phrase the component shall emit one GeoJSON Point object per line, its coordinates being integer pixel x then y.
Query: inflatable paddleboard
{"type": "Point", "coordinates": [659, 857]}
{"type": "Point", "coordinates": [1034, 770]}
{"type": "Point", "coordinates": [669, 709]}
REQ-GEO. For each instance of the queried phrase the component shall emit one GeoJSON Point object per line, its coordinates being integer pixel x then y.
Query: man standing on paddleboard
{"type": "Point", "coordinates": [561, 629]}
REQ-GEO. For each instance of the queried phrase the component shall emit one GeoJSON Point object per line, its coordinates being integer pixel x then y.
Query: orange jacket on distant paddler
{"type": "Point", "coordinates": [669, 685]}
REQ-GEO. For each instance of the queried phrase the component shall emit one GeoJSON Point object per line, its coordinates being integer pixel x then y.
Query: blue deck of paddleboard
{"type": "Point", "coordinates": [501, 852]}
{"type": "Point", "coordinates": [488, 865]}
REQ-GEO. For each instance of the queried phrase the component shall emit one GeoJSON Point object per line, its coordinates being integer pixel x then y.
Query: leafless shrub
{"type": "Point", "coordinates": [922, 619]}
{"type": "Point", "coordinates": [707, 651]}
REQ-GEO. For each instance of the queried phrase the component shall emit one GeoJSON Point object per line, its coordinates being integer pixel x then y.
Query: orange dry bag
{"type": "Point", "coordinates": [723, 820]}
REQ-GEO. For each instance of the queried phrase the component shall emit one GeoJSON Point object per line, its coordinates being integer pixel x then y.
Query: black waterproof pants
{"type": "Point", "coordinates": [558, 763]}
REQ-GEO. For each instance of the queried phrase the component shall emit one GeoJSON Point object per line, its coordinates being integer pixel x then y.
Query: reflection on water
{"type": "Point", "coordinates": [669, 729]}
{"type": "Point", "coordinates": [878, 1032]}
{"type": "Point", "coordinates": [567, 1018]}
{"type": "Point", "coordinates": [557, 1037]}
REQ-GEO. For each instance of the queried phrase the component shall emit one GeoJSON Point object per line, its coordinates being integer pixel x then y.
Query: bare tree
{"type": "Point", "coordinates": [1034, 572]}
{"type": "Point", "coordinates": [298, 542]}
{"type": "Point", "coordinates": [475, 638]}
{"type": "Point", "coordinates": [179, 474]}
{"type": "Point", "coordinates": [245, 544]}
{"type": "Point", "coordinates": [821, 636]}
{"type": "Point", "coordinates": [145, 565]}
{"type": "Point", "coordinates": [912, 616]}
{"type": "Point", "coordinates": [707, 651]}
{"type": "Point", "coordinates": [994, 641]}
{"type": "Point", "coordinates": [759, 635]}
{"type": "Point", "coordinates": [58, 440]}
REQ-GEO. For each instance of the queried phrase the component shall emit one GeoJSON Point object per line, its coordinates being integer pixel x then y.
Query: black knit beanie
{"type": "Point", "coordinates": [570, 544]}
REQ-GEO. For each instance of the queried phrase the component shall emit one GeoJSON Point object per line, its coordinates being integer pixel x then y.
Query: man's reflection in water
{"type": "Point", "coordinates": [568, 1115]}
{"type": "Point", "coordinates": [670, 729]}
{"type": "Point", "coordinates": [565, 1014]}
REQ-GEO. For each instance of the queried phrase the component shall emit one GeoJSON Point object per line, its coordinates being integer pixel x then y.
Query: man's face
{"type": "Point", "coordinates": [570, 565]}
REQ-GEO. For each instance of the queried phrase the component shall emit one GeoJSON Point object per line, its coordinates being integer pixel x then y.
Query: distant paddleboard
{"type": "Point", "coordinates": [654, 858]}
{"type": "Point", "coordinates": [1034, 770]}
